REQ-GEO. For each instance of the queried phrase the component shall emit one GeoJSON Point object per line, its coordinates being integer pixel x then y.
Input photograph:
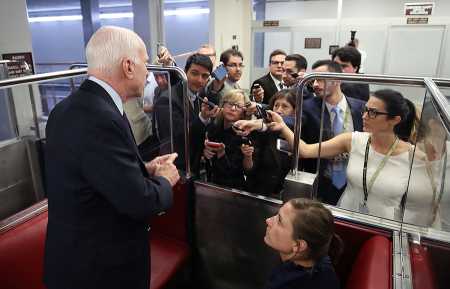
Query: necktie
{"type": "Point", "coordinates": [338, 176]}
{"type": "Point", "coordinates": [281, 85]}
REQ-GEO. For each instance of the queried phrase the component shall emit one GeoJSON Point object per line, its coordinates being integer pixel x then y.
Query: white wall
{"type": "Point", "coordinates": [373, 21]}
{"type": "Point", "coordinates": [15, 36]}
{"type": "Point", "coordinates": [228, 18]}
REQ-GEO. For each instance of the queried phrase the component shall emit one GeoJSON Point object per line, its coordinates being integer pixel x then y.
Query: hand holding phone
{"type": "Point", "coordinates": [220, 72]}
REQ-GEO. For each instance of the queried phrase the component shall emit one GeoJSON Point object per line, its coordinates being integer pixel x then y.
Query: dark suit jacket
{"type": "Point", "coordinates": [356, 90]}
{"type": "Point", "coordinates": [268, 85]}
{"type": "Point", "coordinates": [99, 196]}
{"type": "Point", "coordinates": [163, 124]}
{"type": "Point", "coordinates": [311, 125]}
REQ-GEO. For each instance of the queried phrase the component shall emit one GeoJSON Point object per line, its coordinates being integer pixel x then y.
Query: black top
{"type": "Point", "coordinates": [290, 275]}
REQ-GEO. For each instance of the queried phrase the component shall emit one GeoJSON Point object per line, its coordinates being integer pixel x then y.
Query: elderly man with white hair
{"type": "Point", "coordinates": [100, 192]}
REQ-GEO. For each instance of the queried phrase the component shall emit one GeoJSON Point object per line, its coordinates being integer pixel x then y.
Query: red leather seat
{"type": "Point", "coordinates": [372, 268]}
{"type": "Point", "coordinates": [22, 254]}
{"type": "Point", "coordinates": [423, 275]}
{"type": "Point", "coordinates": [168, 256]}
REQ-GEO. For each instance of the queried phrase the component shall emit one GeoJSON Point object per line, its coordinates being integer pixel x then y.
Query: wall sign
{"type": "Point", "coordinates": [271, 23]}
{"type": "Point", "coordinates": [419, 9]}
{"type": "Point", "coordinates": [313, 43]}
{"type": "Point", "coordinates": [417, 20]}
{"type": "Point", "coordinates": [21, 64]}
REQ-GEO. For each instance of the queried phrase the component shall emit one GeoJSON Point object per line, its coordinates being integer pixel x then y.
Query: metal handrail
{"type": "Point", "coordinates": [29, 79]}
{"type": "Point", "coordinates": [439, 100]}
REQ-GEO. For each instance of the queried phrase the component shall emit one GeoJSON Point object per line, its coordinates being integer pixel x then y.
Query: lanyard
{"type": "Point", "coordinates": [379, 168]}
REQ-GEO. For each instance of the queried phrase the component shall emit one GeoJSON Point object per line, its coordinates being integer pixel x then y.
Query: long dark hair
{"type": "Point", "coordinates": [397, 105]}
{"type": "Point", "coordinates": [315, 224]}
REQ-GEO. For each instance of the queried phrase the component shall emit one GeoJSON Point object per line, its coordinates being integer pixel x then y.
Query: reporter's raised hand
{"type": "Point", "coordinates": [277, 123]}
{"type": "Point", "coordinates": [258, 94]}
{"type": "Point", "coordinates": [168, 171]}
{"type": "Point", "coordinates": [164, 57]}
{"type": "Point", "coordinates": [206, 112]}
{"type": "Point", "coordinates": [247, 150]}
{"type": "Point", "coordinates": [245, 127]}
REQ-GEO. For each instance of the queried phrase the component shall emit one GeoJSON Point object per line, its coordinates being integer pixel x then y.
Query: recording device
{"type": "Point", "coordinates": [256, 86]}
{"type": "Point", "coordinates": [210, 104]}
{"type": "Point", "coordinates": [352, 38]}
{"type": "Point", "coordinates": [262, 113]}
{"type": "Point", "coordinates": [236, 128]}
{"type": "Point", "coordinates": [294, 75]}
{"type": "Point", "coordinates": [283, 146]}
{"type": "Point", "coordinates": [220, 72]}
{"type": "Point", "coordinates": [245, 140]}
{"type": "Point", "coordinates": [213, 144]}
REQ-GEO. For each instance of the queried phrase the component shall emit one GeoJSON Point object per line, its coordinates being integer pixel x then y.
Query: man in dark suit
{"type": "Point", "coordinates": [198, 70]}
{"type": "Point", "coordinates": [100, 193]}
{"type": "Point", "coordinates": [272, 82]}
{"type": "Point", "coordinates": [294, 67]}
{"type": "Point", "coordinates": [341, 114]}
{"type": "Point", "coordinates": [350, 60]}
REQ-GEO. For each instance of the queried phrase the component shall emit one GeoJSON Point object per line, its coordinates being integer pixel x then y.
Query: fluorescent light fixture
{"type": "Point", "coordinates": [175, 12]}
{"type": "Point", "coordinates": [186, 11]}
{"type": "Point", "coordinates": [55, 18]}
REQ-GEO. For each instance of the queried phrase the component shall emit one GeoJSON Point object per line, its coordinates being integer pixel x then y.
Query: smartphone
{"type": "Point", "coordinates": [283, 146]}
{"type": "Point", "coordinates": [210, 104]}
{"type": "Point", "coordinates": [220, 72]}
{"type": "Point", "coordinates": [246, 141]}
{"type": "Point", "coordinates": [213, 144]}
{"type": "Point", "coordinates": [262, 113]}
{"type": "Point", "coordinates": [294, 75]}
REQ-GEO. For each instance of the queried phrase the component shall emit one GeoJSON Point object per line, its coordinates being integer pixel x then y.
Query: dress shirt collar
{"type": "Point", "coordinates": [112, 93]}
{"type": "Point", "coordinates": [342, 104]}
{"type": "Point", "coordinates": [276, 81]}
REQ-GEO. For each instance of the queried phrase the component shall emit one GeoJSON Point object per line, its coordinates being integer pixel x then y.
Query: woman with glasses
{"type": "Point", "coordinates": [303, 234]}
{"type": "Point", "coordinates": [228, 155]}
{"type": "Point", "coordinates": [379, 161]}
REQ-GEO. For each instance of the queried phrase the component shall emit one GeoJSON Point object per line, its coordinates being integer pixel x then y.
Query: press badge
{"type": "Point", "coordinates": [363, 208]}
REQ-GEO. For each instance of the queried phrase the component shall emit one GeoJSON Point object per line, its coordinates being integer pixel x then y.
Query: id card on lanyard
{"type": "Point", "coordinates": [367, 187]}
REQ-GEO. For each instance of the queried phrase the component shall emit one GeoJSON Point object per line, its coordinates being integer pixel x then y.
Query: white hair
{"type": "Point", "coordinates": [109, 45]}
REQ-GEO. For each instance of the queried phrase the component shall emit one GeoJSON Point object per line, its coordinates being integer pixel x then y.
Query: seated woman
{"type": "Point", "coordinates": [379, 162]}
{"type": "Point", "coordinates": [270, 165]}
{"type": "Point", "coordinates": [229, 155]}
{"type": "Point", "coordinates": [303, 233]}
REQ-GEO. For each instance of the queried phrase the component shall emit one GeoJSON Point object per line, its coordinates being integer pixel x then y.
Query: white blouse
{"type": "Point", "coordinates": [389, 187]}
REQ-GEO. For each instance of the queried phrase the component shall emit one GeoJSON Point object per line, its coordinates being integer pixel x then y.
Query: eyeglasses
{"type": "Point", "coordinates": [277, 62]}
{"type": "Point", "coordinates": [373, 112]}
{"type": "Point", "coordinates": [234, 105]}
{"type": "Point", "coordinates": [234, 65]}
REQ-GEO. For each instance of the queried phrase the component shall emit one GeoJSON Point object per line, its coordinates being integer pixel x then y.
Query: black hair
{"type": "Point", "coordinates": [287, 94]}
{"type": "Point", "coordinates": [199, 59]}
{"type": "Point", "coordinates": [225, 56]}
{"type": "Point", "coordinates": [348, 54]}
{"type": "Point", "coordinates": [332, 66]}
{"type": "Point", "coordinates": [396, 105]}
{"type": "Point", "coordinates": [275, 53]}
{"type": "Point", "coordinates": [300, 61]}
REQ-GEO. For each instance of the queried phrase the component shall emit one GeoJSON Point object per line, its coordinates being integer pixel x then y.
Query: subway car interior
{"type": "Point", "coordinates": [213, 235]}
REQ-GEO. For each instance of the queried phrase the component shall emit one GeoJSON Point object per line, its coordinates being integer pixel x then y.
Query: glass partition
{"type": "Point", "coordinates": [22, 181]}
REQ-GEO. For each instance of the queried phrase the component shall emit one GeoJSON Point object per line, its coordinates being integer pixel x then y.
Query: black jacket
{"type": "Point", "coordinates": [99, 196]}
{"type": "Point", "coordinates": [268, 85]}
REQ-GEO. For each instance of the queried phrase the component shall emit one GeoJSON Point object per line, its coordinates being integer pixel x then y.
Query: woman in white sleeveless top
{"type": "Point", "coordinates": [387, 166]}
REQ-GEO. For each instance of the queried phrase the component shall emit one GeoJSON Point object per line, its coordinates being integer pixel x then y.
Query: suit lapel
{"type": "Point", "coordinates": [356, 115]}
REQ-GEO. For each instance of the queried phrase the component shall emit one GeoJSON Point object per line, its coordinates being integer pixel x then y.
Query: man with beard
{"type": "Point", "coordinates": [342, 114]}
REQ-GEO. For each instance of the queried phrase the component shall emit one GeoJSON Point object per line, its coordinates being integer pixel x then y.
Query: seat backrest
{"type": "Point", "coordinates": [423, 275]}
{"type": "Point", "coordinates": [22, 254]}
{"type": "Point", "coordinates": [373, 266]}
